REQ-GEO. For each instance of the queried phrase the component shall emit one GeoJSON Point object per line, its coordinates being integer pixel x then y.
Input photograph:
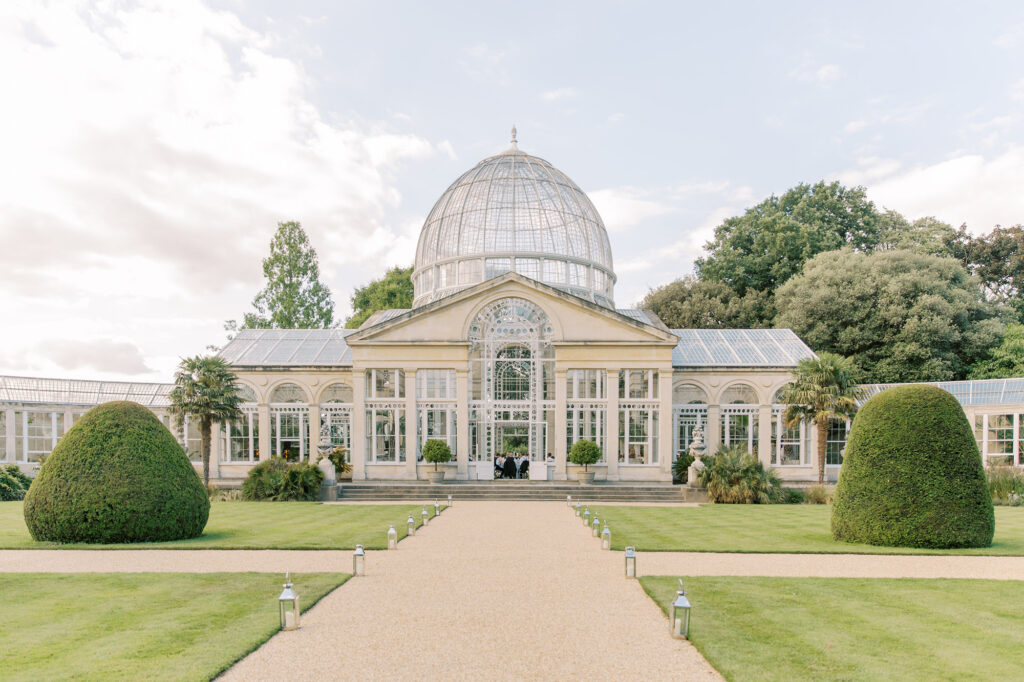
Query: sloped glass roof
{"type": "Point", "coordinates": [972, 392]}
{"type": "Point", "coordinates": [738, 348]}
{"type": "Point", "coordinates": [28, 390]}
{"type": "Point", "coordinates": [289, 348]}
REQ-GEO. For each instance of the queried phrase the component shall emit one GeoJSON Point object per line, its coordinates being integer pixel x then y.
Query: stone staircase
{"type": "Point", "coordinates": [510, 490]}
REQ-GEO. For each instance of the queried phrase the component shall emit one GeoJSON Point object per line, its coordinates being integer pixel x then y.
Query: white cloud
{"type": "Point", "coordinates": [1017, 91]}
{"type": "Point", "coordinates": [625, 207]}
{"type": "Point", "coordinates": [1011, 37]}
{"type": "Point", "coordinates": [809, 72]}
{"type": "Point", "coordinates": [559, 94]}
{"type": "Point", "coordinates": [100, 355]}
{"type": "Point", "coordinates": [855, 126]}
{"type": "Point", "coordinates": [981, 191]}
{"type": "Point", "coordinates": [616, 117]}
{"type": "Point", "coordinates": [157, 146]}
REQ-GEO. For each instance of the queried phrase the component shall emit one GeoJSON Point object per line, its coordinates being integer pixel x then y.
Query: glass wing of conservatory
{"type": "Point", "coordinates": [738, 348]}
{"type": "Point", "coordinates": [33, 390]}
{"type": "Point", "coordinates": [289, 348]}
{"type": "Point", "coordinates": [973, 392]}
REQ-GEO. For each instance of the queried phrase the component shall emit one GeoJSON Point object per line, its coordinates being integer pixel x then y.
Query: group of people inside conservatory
{"type": "Point", "coordinates": [512, 465]}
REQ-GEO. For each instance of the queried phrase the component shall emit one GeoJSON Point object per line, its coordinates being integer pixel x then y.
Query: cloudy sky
{"type": "Point", "coordinates": [149, 149]}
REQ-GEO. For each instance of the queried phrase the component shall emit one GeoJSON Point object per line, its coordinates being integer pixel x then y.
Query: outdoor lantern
{"type": "Point", "coordinates": [449, 500]}
{"type": "Point", "coordinates": [359, 561]}
{"type": "Point", "coordinates": [596, 525]}
{"type": "Point", "coordinates": [606, 538]}
{"type": "Point", "coordinates": [679, 614]}
{"type": "Point", "coordinates": [288, 602]}
{"type": "Point", "coordinates": [425, 516]}
{"type": "Point", "coordinates": [631, 562]}
{"type": "Point", "coordinates": [568, 500]}
{"type": "Point", "coordinates": [586, 517]}
{"type": "Point", "coordinates": [437, 508]}
{"type": "Point", "coordinates": [411, 525]}
{"type": "Point", "coordinates": [577, 509]}
{"type": "Point", "coordinates": [392, 538]}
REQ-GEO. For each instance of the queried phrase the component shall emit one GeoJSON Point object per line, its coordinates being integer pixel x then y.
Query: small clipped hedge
{"type": "Point", "coordinates": [279, 480]}
{"type": "Point", "coordinates": [435, 450]}
{"type": "Point", "coordinates": [13, 483]}
{"type": "Point", "coordinates": [116, 476]}
{"type": "Point", "coordinates": [585, 452]}
{"type": "Point", "coordinates": [912, 475]}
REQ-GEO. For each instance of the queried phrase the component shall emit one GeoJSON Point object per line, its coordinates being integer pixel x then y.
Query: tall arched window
{"type": "Point", "coordinates": [289, 423]}
{"type": "Point", "coordinates": [689, 408]}
{"type": "Point", "coordinates": [336, 418]}
{"type": "Point", "coordinates": [739, 410]}
{"type": "Point", "coordinates": [241, 436]}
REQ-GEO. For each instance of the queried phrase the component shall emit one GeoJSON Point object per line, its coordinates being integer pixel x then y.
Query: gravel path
{"type": "Point", "coordinates": [490, 590]}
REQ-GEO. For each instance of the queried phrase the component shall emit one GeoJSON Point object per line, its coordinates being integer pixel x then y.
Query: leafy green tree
{"type": "Point", "coordinates": [997, 259]}
{"type": "Point", "coordinates": [924, 235]}
{"type": "Point", "coordinates": [585, 452]}
{"type": "Point", "coordinates": [205, 389]}
{"type": "Point", "coordinates": [823, 389]}
{"type": "Point", "coordinates": [901, 315]}
{"type": "Point", "coordinates": [1005, 360]}
{"type": "Point", "coordinates": [689, 303]}
{"type": "Point", "coordinates": [771, 241]}
{"type": "Point", "coordinates": [294, 297]}
{"type": "Point", "coordinates": [393, 290]}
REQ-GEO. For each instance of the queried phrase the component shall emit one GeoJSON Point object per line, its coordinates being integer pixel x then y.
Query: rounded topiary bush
{"type": "Point", "coordinates": [117, 475]}
{"type": "Point", "coordinates": [912, 475]}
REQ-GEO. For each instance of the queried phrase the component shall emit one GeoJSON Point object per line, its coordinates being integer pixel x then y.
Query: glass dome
{"type": "Point", "coordinates": [514, 212]}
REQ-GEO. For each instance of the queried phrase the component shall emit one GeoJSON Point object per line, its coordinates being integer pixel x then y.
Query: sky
{"type": "Point", "coordinates": [148, 150]}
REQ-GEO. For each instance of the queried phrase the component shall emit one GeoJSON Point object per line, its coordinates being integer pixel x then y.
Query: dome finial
{"type": "Point", "coordinates": [515, 144]}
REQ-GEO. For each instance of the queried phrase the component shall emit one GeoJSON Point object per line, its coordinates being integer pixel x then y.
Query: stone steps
{"type": "Point", "coordinates": [598, 492]}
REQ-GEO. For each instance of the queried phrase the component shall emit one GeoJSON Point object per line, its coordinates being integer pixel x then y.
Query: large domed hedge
{"type": "Point", "coordinates": [912, 475]}
{"type": "Point", "coordinates": [117, 475]}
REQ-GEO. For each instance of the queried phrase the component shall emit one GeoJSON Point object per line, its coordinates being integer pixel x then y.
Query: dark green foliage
{"type": "Point", "coordinates": [901, 315]}
{"type": "Point", "coordinates": [681, 467]}
{"type": "Point", "coordinates": [792, 496]}
{"type": "Point", "coordinates": [1006, 360]}
{"type": "Point", "coordinates": [689, 303]}
{"type": "Point", "coordinates": [733, 476]}
{"type": "Point", "coordinates": [997, 259]}
{"type": "Point", "coordinates": [393, 290]}
{"type": "Point", "coordinates": [912, 475]}
{"type": "Point", "coordinates": [435, 451]}
{"type": "Point", "coordinates": [279, 480]}
{"type": "Point", "coordinates": [585, 452]}
{"type": "Point", "coordinates": [13, 483]}
{"type": "Point", "coordinates": [116, 476]}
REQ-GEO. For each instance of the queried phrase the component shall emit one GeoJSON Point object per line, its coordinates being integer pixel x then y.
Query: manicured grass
{"type": "Point", "coordinates": [776, 528]}
{"type": "Point", "coordinates": [256, 525]}
{"type": "Point", "coordinates": [140, 626]}
{"type": "Point", "coordinates": [854, 629]}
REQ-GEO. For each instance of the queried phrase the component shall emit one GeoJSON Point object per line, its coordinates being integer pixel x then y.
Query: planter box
{"type": "Point", "coordinates": [436, 476]}
{"type": "Point", "coordinates": [585, 477]}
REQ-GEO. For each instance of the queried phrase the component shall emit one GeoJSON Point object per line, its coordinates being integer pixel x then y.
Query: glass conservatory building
{"type": "Point", "coordinates": [513, 344]}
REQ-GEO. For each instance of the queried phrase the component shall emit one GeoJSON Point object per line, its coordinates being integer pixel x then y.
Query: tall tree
{"type": "Point", "coordinates": [924, 235]}
{"type": "Point", "coordinates": [393, 290]}
{"type": "Point", "coordinates": [688, 303]}
{"type": "Point", "coordinates": [997, 259]}
{"type": "Point", "coordinates": [1006, 360]}
{"type": "Point", "coordinates": [205, 389]}
{"type": "Point", "coordinates": [769, 243]}
{"type": "Point", "coordinates": [901, 315]}
{"type": "Point", "coordinates": [294, 297]}
{"type": "Point", "coordinates": [823, 389]}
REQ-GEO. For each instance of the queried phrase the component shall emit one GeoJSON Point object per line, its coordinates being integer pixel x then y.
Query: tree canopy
{"type": "Point", "coordinates": [901, 315]}
{"type": "Point", "coordinates": [997, 259]}
{"type": "Point", "coordinates": [393, 290]}
{"type": "Point", "coordinates": [689, 303]}
{"type": "Point", "coordinates": [294, 297]}
{"type": "Point", "coordinates": [1005, 360]}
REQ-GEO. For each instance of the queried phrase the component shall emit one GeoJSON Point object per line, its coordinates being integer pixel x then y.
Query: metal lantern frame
{"type": "Point", "coordinates": [679, 614]}
{"type": "Point", "coordinates": [359, 561]}
{"type": "Point", "coordinates": [411, 524]}
{"type": "Point", "coordinates": [288, 605]}
{"type": "Point", "coordinates": [631, 562]}
{"type": "Point", "coordinates": [425, 516]}
{"type": "Point", "coordinates": [586, 517]}
{"type": "Point", "coordinates": [595, 525]}
{"type": "Point", "coordinates": [392, 537]}
{"type": "Point", "coordinates": [578, 509]}
{"type": "Point", "coordinates": [437, 508]}
{"type": "Point", "coordinates": [606, 538]}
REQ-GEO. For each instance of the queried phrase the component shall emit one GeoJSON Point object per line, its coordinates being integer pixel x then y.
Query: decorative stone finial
{"type": "Point", "coordinates": [515, 144]}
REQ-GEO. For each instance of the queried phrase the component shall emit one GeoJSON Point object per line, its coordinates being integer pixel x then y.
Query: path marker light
{"type": "Point", "coordinates": [577, 509]}
{"type": "Point", "coordinates": [449, 500]}
{"type": "Point", "coordinates": [606, 537]}
{"type": "Point", "coordinates": [568, 500]}
{"type": "Point", "coordinates": [437, 508]}
{"type": "Point", "coordinates": [288, 603]}
{"type": "Point", "coordinates": [631, 562]}
{"type": "Point", "coordinates": [392, 538]}
{"type": "Point", "coordinates": [596, 526]}
{"type": "Point", "coordinates": [586, 517]}
{"type": "Point", "coordinates": [679, 614]}
{"type": "Point", "coordinates": [425, 516]}
{"type": "Point", "coordinates": [411, 524]}
{"type": "Point", "coordinates": [359, 561]}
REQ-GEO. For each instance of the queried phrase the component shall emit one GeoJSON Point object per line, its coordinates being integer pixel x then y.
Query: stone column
{"type": "Point", "coordinates": [713, 429]}
{"type": "Point", "coordinates": [263, 417]}
{"type": "Point", "coordinates": [410, 423]}
{"type": "Point", "coordinates": [69, 420]}
{"type": "Point", "coordinates": [462, 424]}
{"type": "Point", "coordinates": [9, 446]}
{"type": "Point", "coordinates": [358, 454]}
{"type": "Point", "coordinates": [313, 424]}
{"type": "Point", "coordinates": [216, 448]}
{"type": "Point", "coordinates": [665, 446]}
{"type": "Point", "coordinates": [764, 434]}
{"type": "Point", "coordinates": [560, 426]}
{"type": "Point", "coordinates": [611, 434]}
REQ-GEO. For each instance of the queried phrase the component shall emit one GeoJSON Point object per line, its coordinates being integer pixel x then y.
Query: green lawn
{"type": "Point", "coordinates": [776, 528]}
{"type": "Point", "coordinates": [257, 525]}
{"type": "Point", "coordinates": [140, 626]}
{"type": "Point", "coordinates": [854, 629]}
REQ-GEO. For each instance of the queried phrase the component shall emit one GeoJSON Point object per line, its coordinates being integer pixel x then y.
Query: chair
{"type": "Point", "coordinates": [524, 469]}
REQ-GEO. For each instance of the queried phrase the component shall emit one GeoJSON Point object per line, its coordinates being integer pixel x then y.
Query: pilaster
{"type": "Point", "coordinates": [665, 446]}
{"type": "Point", "coordinates": [313, 452]}
{"type": "Point", "coordinates": [764, 434]}
{"type": "Point", "coordinates": [411, 422]}
{"type": "Point", "coordinates": [462, 424]}
{"type": "Point", "coordinates": [560, 425]}
{"type": "Point", "coordinates": [358, 454]}
{"type": "Point", "coordinates": [263, 416]}
{"type": "Point", "coordinates": [611, 435]}
{"type": "Point", "coordinates": [713, 429]}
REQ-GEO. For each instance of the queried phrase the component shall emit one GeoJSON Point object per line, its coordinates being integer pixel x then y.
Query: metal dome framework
{"type": "Point", "coordinates": [514, 212]}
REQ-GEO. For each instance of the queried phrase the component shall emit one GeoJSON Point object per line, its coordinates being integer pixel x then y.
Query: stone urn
{"type": "Point", "coordinates": [436, 476]}
{"type": "Point", "coordinates": [585, 477]}
{"type": "Point", "coordinates": [697, 450]}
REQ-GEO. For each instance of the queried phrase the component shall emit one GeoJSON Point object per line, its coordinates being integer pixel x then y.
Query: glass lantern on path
{"type": "Point", "coordinates": [288, 603]}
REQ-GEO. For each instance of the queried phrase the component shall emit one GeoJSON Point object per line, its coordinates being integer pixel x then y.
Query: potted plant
{"type": "Point", "coordinates": [584, 452]}
{"type": "Point", "coordinates": [436, 451]}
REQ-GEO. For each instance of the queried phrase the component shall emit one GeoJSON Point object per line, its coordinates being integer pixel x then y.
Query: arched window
{"type": "Point", "coordinates": [740, 394]}
{"type": "Point", "coordinates": [739, 422]}
{"type": "Point", "coordinates": [688, 394]}
{"type": "Point", "coordinates": [337, 393]}
{"type": "Point", "coordinates": [247, 393]}
{"type": "Point", "coordinates": [288, 393]}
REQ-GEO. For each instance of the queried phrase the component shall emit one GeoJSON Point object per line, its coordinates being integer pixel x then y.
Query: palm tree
{"type": "Point", "coordinates": [823, 388]}
{"type": "Point", "coordinates": [207, 390]}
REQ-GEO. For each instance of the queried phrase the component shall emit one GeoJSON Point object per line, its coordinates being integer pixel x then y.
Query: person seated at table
{"type": "Point", "coordinates": [524, 467]}
{"type": "Point", "coordinates": [499, 466]}
{"type": "Point", "coordinates": [508, 467]}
